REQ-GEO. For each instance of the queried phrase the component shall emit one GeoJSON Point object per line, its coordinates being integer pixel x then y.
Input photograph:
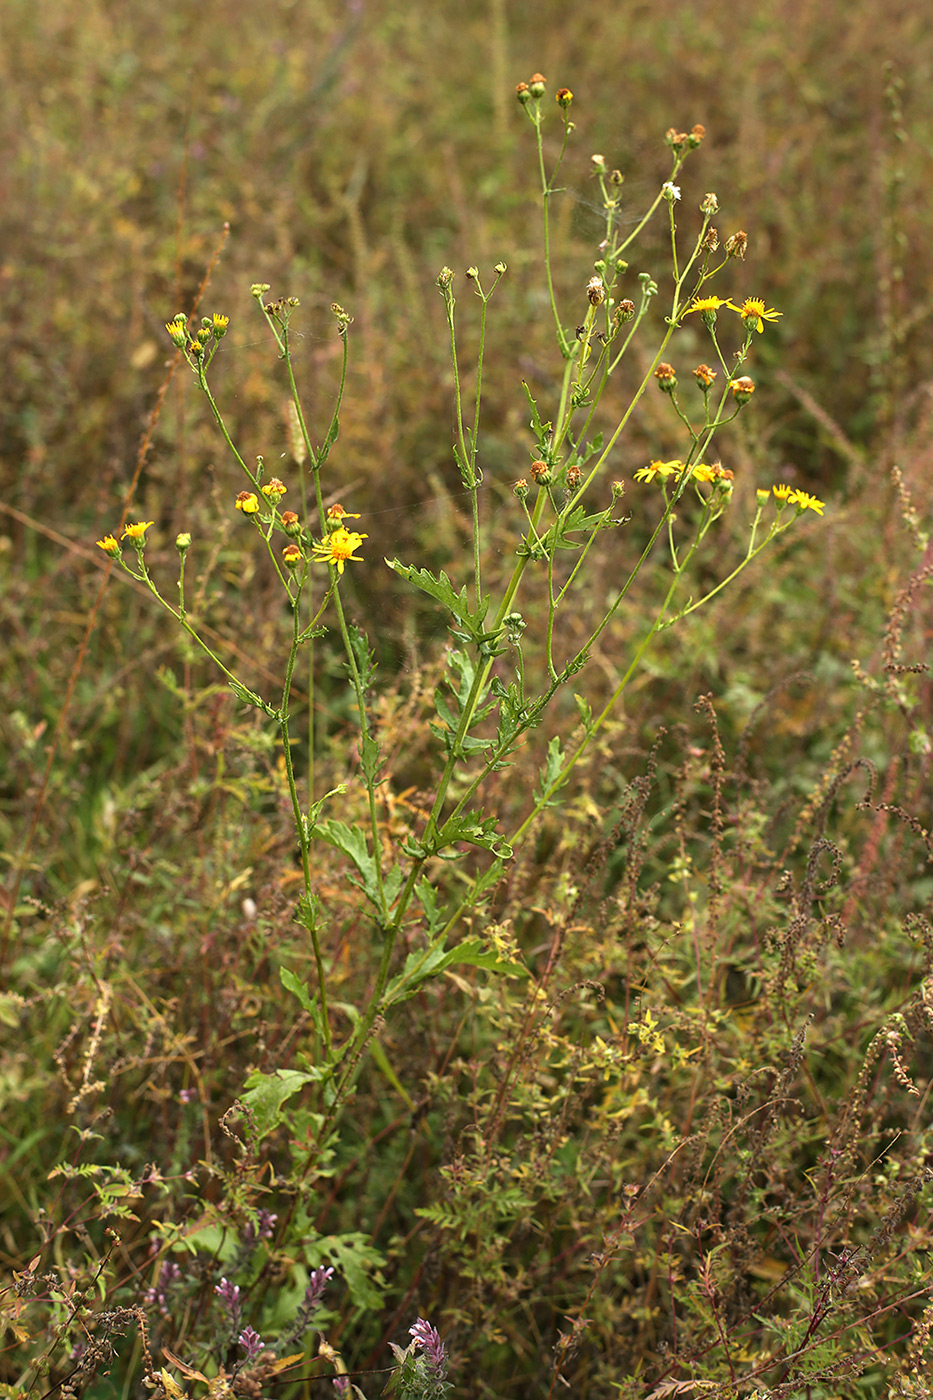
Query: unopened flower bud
{"type": "Point", "coordinates": [183, 542]}
{"type": "Point", "coordinates": [290, 522]}
{"type": "Point", "coordinates": [472, 273]}
{"type": "Point", "coordinates": [564, 97]}
{"type": "Point", "coordinates": [742, 389]}
{"type": "Point", "coordinates": [618, 489]}
{"type": "Point", "coordinates": [520, 489]}
{"type": "Point", "coordinates": [523, 93]}
{"type": "Point", "coordinates": [273, 490]}
{"type": "Point", "coordinates": [537, 84]}
{"type": "Point", "coordinates": [704, 376]}
{"type": "Point", "coordinates": [258, 290]}
{"type": "Point", "coordinates": [598, 163]}
{"type": "Point", "coordinates": [616, 177]}
{"type": "Point", "coordinates": [501, 269]}
{"type": "Point", "coordinates": [540, 473]}
{"type": "Point", "coordinates": [762, 496]}
{"type": "Point", "coordinates": [444, 278]}
{"type": "Point", "coordinates": [666, 377]}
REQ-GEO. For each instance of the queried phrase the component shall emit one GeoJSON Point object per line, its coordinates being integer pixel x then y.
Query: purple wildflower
{"type": "Point", "coordinates": [317, 1282]}
{"type": "Point", "coordinates": [251, 1342]}
{"type": "Point", "coordinates": [428, 1341]}
{"type": "Point", "coordinates": [229, 1295]}
{"type": "Point", "coordinates": [263, 1229]}
{"type": "Point", "coordinates": [154, 1297]}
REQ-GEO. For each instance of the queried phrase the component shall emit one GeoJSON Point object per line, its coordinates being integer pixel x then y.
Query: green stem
{"type": "Point", "coordinates": [301, 825]}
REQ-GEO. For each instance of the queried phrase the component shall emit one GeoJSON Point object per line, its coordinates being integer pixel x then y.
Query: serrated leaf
{"type": "Point", "coordinates": [584, 709]}
{"type": "Point", "coordinates": [476, 829]}
{"type": "Point", "coordinates": [442, 590]}
{"type": "Point", "coordinates": [559, 535]}
{"type": "Point", "coordinates": [359, 1264]}
{"type": "Point", "coordinates": [551, 779]}
{"type": "Point", "coordinates": [351, 840]}
{"type": "Point", "coordinates": [266, 1093]}
{"type": "Point", "coordinates": [362, 655]}
{"type": "Point", "coordinates": [430, 962]}
{"type": "Point", "coordinates": [541, 430]}
{"type": "Point", "coordinates": [369, 757]}
{"type": "Point", "coordinates": [293, 984]}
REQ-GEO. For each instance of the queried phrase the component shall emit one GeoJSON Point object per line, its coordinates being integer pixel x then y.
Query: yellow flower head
{"type": "Point", "coordinates": [137, 531]}
{"type": "Point", "coordinates": [219, 325]}
{"type": "Point", "coordinates": [659, 469]}
{"type": "Point", "coordinates": [783, 492]}
{"type": "Point", "coordinates": [710, 305]}
{"type": "Point", "coordinates": [109, 545]}
{"type": "Point", "coordinates": [804, 501]}
{"type": "Point", "coordinates": [754, 313]}
{"type": "Point", "coordinates": [247, 502]}
{"type": "Point", "coordinates": [703, 472]}
{"type": "Point", "coordinates": [292, 555]}
{"type": "Point", "coordinates": [177, 329]}
{"type": "Point", "coordinates": [273, 490]}
{"type": "Point", "coordinates": [338, 547]}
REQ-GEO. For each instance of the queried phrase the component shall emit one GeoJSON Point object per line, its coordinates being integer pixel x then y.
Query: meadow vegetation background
{"type": "Point", "coordinates": [688, 1151]}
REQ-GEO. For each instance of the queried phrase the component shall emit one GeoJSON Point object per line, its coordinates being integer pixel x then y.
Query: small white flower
{"type": "Point", "coordinates": [670, 191]}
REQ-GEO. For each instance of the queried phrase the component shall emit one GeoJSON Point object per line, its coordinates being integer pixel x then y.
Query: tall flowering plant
{"type": "Point", "coordinates": [566, 501]}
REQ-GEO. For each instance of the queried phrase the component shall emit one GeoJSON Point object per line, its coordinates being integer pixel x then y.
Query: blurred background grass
{"type": "Point", "coordinates": [354, 150]}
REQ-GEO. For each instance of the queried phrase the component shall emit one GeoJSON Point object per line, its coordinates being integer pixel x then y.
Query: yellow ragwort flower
{"type": "Point", "coordinates": [137, 531]}
{"type": "Point", "coordinates": [274, 490]}
{"type": "Point", "coordinates": [707, 304]}
{"type": "Point", "coordinates": [662, 469]}
{"type": "Point", "coordinates": [338, 547]}
{"type": "Point", "coordinates": [804, 501]}
{"type": "Point", "coordinates": [754, 313]}
{"type": "Point", "coordinates": [337, 513]}
{"type": "Point", "coordinates": [247, 502]}
{"type": "Point", "coordinates": [783, 492]}
{"type": "Point", "coordinates": [109, 545]}
{"type": "Point", "coordinates": [292, 555]}
{"type": "Point", "coordinates": [703, 472]}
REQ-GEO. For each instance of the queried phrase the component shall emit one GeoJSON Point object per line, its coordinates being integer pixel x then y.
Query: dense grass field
{"type": "Point", "coordinates": [480, 942]}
